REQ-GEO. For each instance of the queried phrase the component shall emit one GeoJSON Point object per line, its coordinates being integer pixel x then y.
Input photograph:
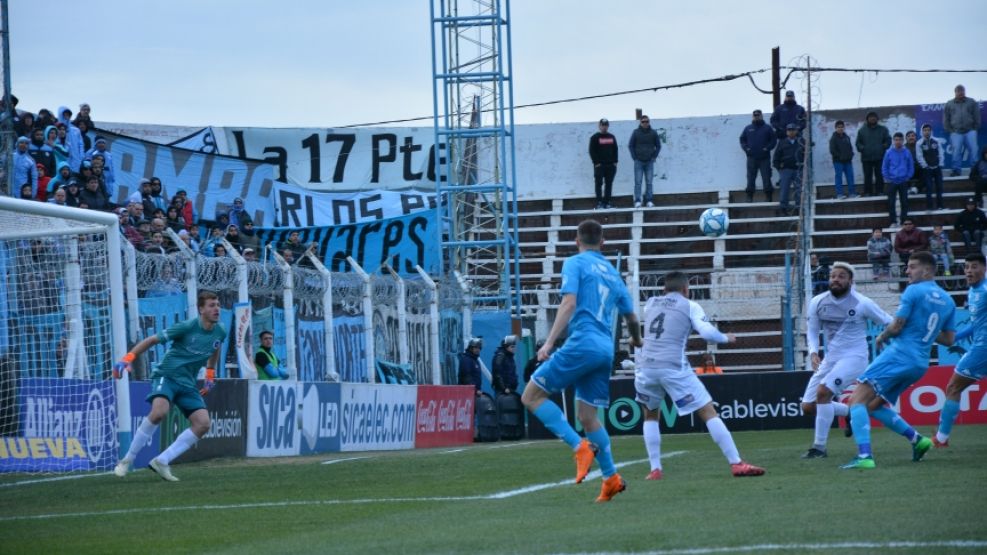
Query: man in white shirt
{"type": "Point", "coordinates": [841, 315]}
{"type": "Point", "coordinates": [662, 368]}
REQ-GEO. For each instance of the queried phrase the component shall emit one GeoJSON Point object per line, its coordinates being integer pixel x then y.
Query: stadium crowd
{"type": "Point", "coordinates": [63, 160]}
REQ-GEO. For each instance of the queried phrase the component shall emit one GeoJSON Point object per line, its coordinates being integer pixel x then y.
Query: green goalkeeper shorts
{"type": "Point", "coordinates": [187, 399]}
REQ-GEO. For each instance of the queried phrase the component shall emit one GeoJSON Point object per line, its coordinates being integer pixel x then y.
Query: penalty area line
{"type": "Point", "coordinates": [324, 502]}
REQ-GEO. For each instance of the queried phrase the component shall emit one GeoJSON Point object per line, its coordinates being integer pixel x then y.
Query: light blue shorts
{"type": "Point", "coordinates": [588, 371]}
{"type": "Point", "coordinates": [891, 373]}
{"type": "Point", "coordinates": [973, 365]}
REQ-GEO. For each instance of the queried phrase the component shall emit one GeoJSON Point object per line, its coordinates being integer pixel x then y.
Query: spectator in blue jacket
{"type": "Point", "coordinates": [897, 168]}
{"type": "Point", "coordinates": [25, 168]}
{"type": "Point", "coordinates": [73, 139]}
{"type": "Point", "coordinates": [644, 146]}
{"type": "Point", "coordinates": [469, 365]}
{"type": "Point", "coordinates": [758, 140]}
{"type": "Point", "coordinates": [788, 113]}
{"type": "Point", "coordinates": [788, 160]}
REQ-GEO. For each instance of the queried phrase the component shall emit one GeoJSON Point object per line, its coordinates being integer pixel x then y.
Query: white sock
{"type": "Point", "coordinates": [652, 442]}
{"type": "Point", "coordinates": [182, 443]}
{"type": "Point", "coordinates": [721, 435]}
{"type": "Point", "coordinates": [141, 438]}
{"type": "Point", "coordinates": [824, 420]}
{"type": "Point", "coordinates": [840, 409]}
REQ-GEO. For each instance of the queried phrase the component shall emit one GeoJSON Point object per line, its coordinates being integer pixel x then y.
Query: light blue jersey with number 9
{"type": "Point", "coordinates": [598, 289]}
{"type": "Point", "coordinates": [927, 310]}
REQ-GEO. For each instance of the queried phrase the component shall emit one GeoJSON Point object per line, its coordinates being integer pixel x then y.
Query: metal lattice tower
{"type": "Point", "coordinates": [473, 100]}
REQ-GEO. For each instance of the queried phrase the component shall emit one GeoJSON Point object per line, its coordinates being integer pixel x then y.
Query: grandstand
{"type": "Point", "coordinates": [739, 278]}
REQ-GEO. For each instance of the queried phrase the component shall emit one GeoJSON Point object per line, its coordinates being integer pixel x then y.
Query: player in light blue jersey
{"type": "Point", "coordinates": [194, 343]}
{"type": "Point", "coordinates": [926, 315]}
{"type": "Point", "coordinates": [592, 291]}
{"type": "Point", "coordinates": [973, 365]}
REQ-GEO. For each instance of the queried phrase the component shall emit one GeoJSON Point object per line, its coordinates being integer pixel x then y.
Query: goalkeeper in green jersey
{"type": "Point", "coordinates": [194, 343]}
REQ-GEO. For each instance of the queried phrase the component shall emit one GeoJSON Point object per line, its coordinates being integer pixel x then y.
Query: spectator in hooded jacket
{"type": "Point", "coordinates": [971, 223]}
{"type": "Point", "coordinates": [603, 153]}
{"type": "Point", "coordinates": [505, 367]}
{"type": "Point", "coordinates": [897, 168]}
{"type": "Point", "coordinates": [73, 139]}
{"type": "Point", "coordinates": [248, 237]}
{"type": "Point", "coordinates": [978, 174]}
{"type": "Point", "coordinates": [43, 180]}
{"type": "Point", "coordinates": [841, 149]}
{"type": "Point", "coordinates": [56, 143]}
{"type": "Point", "coordinates": [788, 113]}
{"type": "Point", "coordinates": [873, 140]}
{"type": "Point", "coordinates": [237, 213]}
{"type": "Point", "coordinates": [645, 146]}
{"type": "Point", "coordinates": [961, 119]}
{"type": "Point", "coordinates": [61, 178]}
{"type": "Point", "coordinates": [25, 168]}
{"type": "Point", "coordinates": [930, 156]}
{"type": "Point", "coordinates": [758, 140]}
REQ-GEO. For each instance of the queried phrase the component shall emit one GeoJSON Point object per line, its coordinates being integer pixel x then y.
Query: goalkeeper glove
{"type": "Point", "coordinates": [210, 381]}
{"type": "Point", "coordinates": [123, 366]}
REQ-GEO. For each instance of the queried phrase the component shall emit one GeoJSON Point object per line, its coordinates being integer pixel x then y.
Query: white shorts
{"type": "Point", "coordinates": [681, 384]}
{"type": "Point", "coordinates": [836, 375]}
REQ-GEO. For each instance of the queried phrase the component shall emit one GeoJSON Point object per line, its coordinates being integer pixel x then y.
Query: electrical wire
{"type": "Point", "coordinates": [724, 78]}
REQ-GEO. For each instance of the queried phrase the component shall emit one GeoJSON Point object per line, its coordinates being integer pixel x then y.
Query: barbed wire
{"type": "Point", "coordinates": [347, 293]}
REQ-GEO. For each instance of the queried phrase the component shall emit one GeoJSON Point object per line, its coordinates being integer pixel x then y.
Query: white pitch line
{"type": "Point", "coordinates": [961, 544]}
{"type": "Point", "coordinates": [334, 461]}
{"type": "Point", "coordinates": [54, 479]}
{"type": "Point", "coordinates": [325, 502]}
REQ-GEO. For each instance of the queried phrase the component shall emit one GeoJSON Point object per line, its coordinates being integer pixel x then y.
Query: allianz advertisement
{"type": "Point", "coordinates": [65, 425]}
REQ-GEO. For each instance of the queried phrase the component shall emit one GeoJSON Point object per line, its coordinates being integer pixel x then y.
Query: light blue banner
{"type": "Point", "coordinates": [211, 181]}
{"type": "Point", "coordinates": [350, 341]}
{"type": "Point", "coordinates": [404, 241]}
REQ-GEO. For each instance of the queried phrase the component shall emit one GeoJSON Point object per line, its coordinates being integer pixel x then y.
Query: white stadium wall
{"type": "Point", "coordinates": [698, 153]}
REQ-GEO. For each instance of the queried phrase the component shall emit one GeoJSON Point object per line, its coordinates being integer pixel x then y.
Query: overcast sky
{"type": "Point", "coordinates": [314, 63]}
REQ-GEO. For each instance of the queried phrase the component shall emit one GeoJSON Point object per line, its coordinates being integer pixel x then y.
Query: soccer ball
{"type": "Point", "coordinates": [714, 222]}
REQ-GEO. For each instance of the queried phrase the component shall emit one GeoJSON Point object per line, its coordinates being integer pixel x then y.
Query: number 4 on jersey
{"type": "Point", "coordinates": [657, 326]}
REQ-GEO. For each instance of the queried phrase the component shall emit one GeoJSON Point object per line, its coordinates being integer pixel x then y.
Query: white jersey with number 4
{"type": "Point", "coordinates": [843, 323]}
{"type": "Point", "coordinates": [668, 322]}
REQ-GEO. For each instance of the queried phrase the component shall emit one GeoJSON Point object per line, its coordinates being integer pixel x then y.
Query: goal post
{"type": "Point", "coordinates": [62, 326]}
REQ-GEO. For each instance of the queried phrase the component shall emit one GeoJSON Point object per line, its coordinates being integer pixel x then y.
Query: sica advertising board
{"type": "Point", "coordinates": [66, 424]}
{"type": "Point", "coordinates": [320, 417]}
{"type": "Point", "coordinates": [445, 415]}
{"type": "Point", "coordinates": [377, 417]}
{"type": "Point", "coordinates": [273, 429]}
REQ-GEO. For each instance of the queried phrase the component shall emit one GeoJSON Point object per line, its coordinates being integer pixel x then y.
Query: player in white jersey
{"type": "Point", "coordinates": [841, 315]}
{"type": "Point", "coordinates": [662, 368]}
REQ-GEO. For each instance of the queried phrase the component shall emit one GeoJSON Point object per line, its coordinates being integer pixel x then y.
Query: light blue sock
{"type": "Point", "coordinates": [893, 421]}
{"type": "Point", "coordinates": [604, 456]}
{"type": "Point", "coordinates": [551, 416]}
{"type": "Point", "coordinates": [860, 422]}
{"type": "Point", "coordinates": [948, 416]}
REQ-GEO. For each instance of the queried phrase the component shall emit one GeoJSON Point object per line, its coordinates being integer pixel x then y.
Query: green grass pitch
{"type": "Point", "coordinates": [518, 498]}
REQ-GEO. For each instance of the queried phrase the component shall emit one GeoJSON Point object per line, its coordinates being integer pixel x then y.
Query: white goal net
{"type": "Point", "coordinates": [61, 329]}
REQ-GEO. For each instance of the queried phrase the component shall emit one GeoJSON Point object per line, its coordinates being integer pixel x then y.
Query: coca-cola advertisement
{"type": "Point", "coordinates": [444, 416]}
